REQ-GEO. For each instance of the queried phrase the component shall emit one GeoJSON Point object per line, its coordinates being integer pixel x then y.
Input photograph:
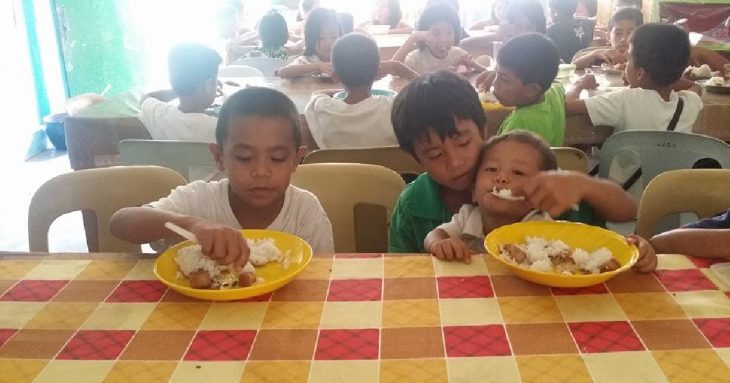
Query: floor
{"type": "Point", "coordinates": [24, 177]}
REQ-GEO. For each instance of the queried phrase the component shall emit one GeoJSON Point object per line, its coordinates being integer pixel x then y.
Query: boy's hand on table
{"type": "Point", "coordinates": [221, 243]}
{"type": "Point", "coordinates": [485, 80]}
{"type": "Point", "coordinates": [610, 56]}
{"type": "Point", "coordinates": [647, 256]}
{"type": "Point", "coordinates": [325, 68]}
{"type": "Point", "coordinates": [554, 192]}
{"type": "Point", "coordinates": [452, 249]}
{"type": "Point", "coordinates": [587, 81]}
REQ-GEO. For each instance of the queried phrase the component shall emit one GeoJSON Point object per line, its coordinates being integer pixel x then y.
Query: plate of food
{"type": "Point", "coordinates": [375, 92]}
{"type": "Point", "coordinates": [561, 254]}
{"type": "Point", "coordinates": [702, 72]}
{"type": "Point", "coordinates": [616, 69]}
{"type": "Point", "coordinates": [716, 85]}
{"type": "Point", "coordinates": [276, 258]}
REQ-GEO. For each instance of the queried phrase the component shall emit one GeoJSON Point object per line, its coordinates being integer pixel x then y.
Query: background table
{"type": "Point", "coordinates": [360, 318]}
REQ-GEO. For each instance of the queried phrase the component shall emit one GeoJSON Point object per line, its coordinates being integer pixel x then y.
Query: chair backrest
{"type": "Point", "coordinates": [239, 71]}
{"type": "Point", "coordinates": [345, 188]}
{"type": "Point", "coordinates": [660, 151]}
{"type": "Point", "coordinates": [391, 157]}
{"type": "Point", "coordinates": [192, 160]}
{"type": "Point", "coordinates": [103, 191]}
{"type": "Point", "coordinates": [267, 65]}
{"type": "Point", "coordinates": [700, 191]}
{"type": "Point", "coordinates": [571, 159]}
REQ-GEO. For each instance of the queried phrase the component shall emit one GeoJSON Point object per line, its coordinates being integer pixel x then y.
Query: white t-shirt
{"type": "Point", "coordinates": [467, 225]}
{"type": "Point", "coordinates": [301, 214]}
{"type": "Point", "coordinates": [166, 122]}
{"type": "Point", "coordinates": [335, 124]}
{"type": "Point", "coordinates": [643, 109]}
{"type": "Point", "coordinates": [422, 61]}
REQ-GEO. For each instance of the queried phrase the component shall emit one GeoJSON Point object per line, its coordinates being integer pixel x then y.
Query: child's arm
{"type": "Point", "coordinates": [411, 44]}
{"type": "Point", "coordinates": [706, 243]}
{"type": "Point", "coordinates": [557, 191]}
{"type": "Point", "coordinates": [685, 84]}
{"type": "Point", "coordinates": [396, 68]}
{"type": "Point", "coordinates": [146, 224]}
{"type": "Point", "coordinates": [468, 61]}
{"type": "Point", "coordinates": [573, 104]}
{"type": "Point", "coordinates": [445, 248]}
{"type": "Point", "coordinates": [302, 70]}
{"type": "Point", "coordinates": [647, 256]}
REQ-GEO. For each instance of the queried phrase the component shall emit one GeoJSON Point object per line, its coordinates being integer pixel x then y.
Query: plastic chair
{"type": "Point", "coordinates": [192, 160]}
{"type": "Point", "coordinates": [267, 65]}
{"type": "Point", "coordinates": [239, 71]}
{"type": "Point", "coordinates": [703, 192]}
{"type": "Point", "coordinates": [571, 159]}
{"type": "Point", "coordinates": [103, 191]}
{"type": "Point", "coordinates": [350, 194]}
{"type": "Point", "coordinates": [391, 157]}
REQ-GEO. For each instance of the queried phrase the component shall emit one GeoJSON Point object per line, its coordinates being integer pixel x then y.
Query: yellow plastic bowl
{"type": "Point", "coordinates": [586, 237]}
{"type": "Point", "coordinates": [300, 253]}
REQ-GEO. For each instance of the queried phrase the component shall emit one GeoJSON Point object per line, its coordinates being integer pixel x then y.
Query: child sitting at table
{"type": "Point", "coordinates": [431, 47]}
{"type": "Point", "coordinates": [359, 119]}
{"type": "Point", "coordinates": [274, 35]}
{"type": "Point", "coordinates": [193, 71]}
{"type": "Point", "coordinates": [708, 238]}
{"type": "Point", "coordinates": [620, 26]}
{"type": "Point", "coordinates": [526, 68]}
{"type": "Point", "coordinates": [258, 145]}
{"type": "Point", "coordinates": [388, 12]}
{"type": "Point", "coordinates": [439, 120]}
{"type": "Point", "coordinates": [567, 32]}
{"type": "Point", "coordinates": [507, 162]}
{"type": "Point", "coordinates": [321, 31]}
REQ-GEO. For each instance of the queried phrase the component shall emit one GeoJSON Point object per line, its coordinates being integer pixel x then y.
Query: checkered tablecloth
{"type": "Point", "coordinates": [361, 318]}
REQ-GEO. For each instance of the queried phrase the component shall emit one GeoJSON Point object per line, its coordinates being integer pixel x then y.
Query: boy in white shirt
{"type": "Point", "coordinates": [193, 70]}
{"type": "Point", "coordinates": [259, 147]}
{"type": "Point", "coordinates": [658, 54]}
{"type": "Point", "coordinates": [360, 119]}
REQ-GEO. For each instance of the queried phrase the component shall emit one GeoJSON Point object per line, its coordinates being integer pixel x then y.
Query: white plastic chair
{"type": "Point", "coordinates": [192, 160]}
{"type": "Point", "coordinates": [267, 65]}
{"type": "Point", "coordinates": [239, 71]}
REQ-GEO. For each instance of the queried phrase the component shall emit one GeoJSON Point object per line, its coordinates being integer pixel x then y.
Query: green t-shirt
{"type": "Point", "coordinates": [418, 211]}
{"type": "Point", "coordinates": [546, 118]}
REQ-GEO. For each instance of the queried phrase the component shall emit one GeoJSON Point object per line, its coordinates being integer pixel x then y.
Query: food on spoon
{"type": "Point", "coordinates": [506, 194]}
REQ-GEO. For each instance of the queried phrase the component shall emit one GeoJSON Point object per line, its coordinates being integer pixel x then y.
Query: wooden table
{"type": "Point", "coordinates": [360, 318]}
{"type": "Point", "coordinates": [388, 44]}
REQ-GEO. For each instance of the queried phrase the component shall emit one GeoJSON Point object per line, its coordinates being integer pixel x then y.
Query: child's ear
{"type": "Point", "coordinates": [533, 90]}
{"type": "Point", "coordinates": [299, 156]}
{"type": "Point", "coordinates": [217, 151]}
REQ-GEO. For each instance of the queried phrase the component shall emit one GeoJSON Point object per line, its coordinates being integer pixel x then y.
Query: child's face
{"type": "Point", "coordinates": [510, 90]}
{"type": "Point", "coordinates": [620, 34]}
{"type": "Point", "coordinates": [329, 33]}
{"type": "Point", "coordinates": [259, 157]}
{"type": "Point", "coordinates": [451, 162]}
{"type": "Point", "coordinates": [507, 165]}
{"type": "Point", "coordinates": [442, 39]}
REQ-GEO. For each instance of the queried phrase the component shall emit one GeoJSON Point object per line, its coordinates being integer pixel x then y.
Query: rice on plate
{"type": "Point", "coordinates": [555, 256]}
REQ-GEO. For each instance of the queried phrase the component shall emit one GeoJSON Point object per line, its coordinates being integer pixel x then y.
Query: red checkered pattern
{"type": "Point", "coordinates": [684, 280]}
{"type": "Point", "coordinates": [717, 331]}
{"type": "Point", "coordinates": [355, 290]}
{"type": "Point", "coordinates": [5, 334]}
{"type": "Point", "coordinates": [605, 337]}
{"type": "Point", "coordinates": [361, 255]}
{"type": "Point", "coordinates": [260, 298]}
{"type": "Point", "coordinates": [221, 345]}
{"type": "Point", "coordinates": [490, 340]}
{"type": "Point", "coordinates": [138, 291]}
{"type": "Point", "coordinates": [96, 345]}
{"type": "Point", "coordinates": [704, 263]}
{"type": "Point", "coordinates": [33, 291]}
{"type": "Point", "coordinates": [465, 287]}
{"type": "Point", "coordinates": [595, 289]}
{"type": "Point", "coordinates": [347, 344]}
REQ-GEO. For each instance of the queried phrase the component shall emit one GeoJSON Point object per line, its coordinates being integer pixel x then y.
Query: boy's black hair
{"type": "Point", "coordinates": [628, 13]}
{"type": "Point", "coordinates": [273, 30]}
{"type": "Point", "coordinates": [355, 60]}
{"type": "Point", "coordinates": [190, 65]}
{"type": "Point", "coordinates": [257, 102]}
{"type": "Point", "coordinates": [630, 3]}
{"type": "Point", "coordinates": [395, 14]}
{"type": "Point", "coordinates": [662, 50]}
{"type": "Point", "coordinates": [533, 58]}
{"type": "Point", "coordinates": [591, 7]}
{"type": "Point", "coordinates": [432, 101]}
{"type": "Point", "coordinates": [305, 6]}
{"type": "Point", "coordinates": [313, 28]}
{"type": "Point", "coordinates": [564, 8]}
{"type": "Point", "coordinates": [347, 22]}
{"type": "Point", "coordinates": [442, 11]}
{"type": "Point", "coordinates": [549, 160]}
{"type": "Point", "coordinates": [531, 9]}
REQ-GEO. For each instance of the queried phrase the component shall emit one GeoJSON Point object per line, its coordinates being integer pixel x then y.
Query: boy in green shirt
{"type": "Point", "coordinates": [526, 68]}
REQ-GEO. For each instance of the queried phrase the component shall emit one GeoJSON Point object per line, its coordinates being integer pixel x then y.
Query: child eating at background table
{"type": "Point", "coordinates": [321, 31]}
{"type": "Point", "coordinates": [360, 119]}
{"type": "Point", "coordinates": [388, 12]}
{"type": "Point", "coordinates": [193, 72]}
{"type": "Point", "coordinates": [274, 35]}
{"type": "Point", "coordinates": [258, 145]}
{"type": "Point", "coordinates": [510, 162]}
{"type": "Point", "coordinates": [439, 120]}
{"type": "Point", "coordinates": [432, 46]}
{"type": "Point", "coordinates": [569, 33]}
{"type": "Point", "coordinates": [526, 68]}
{"type": "Point", "coordinates": [708, 238]}
{"type": "Point", "coordinates": [622, 23]}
